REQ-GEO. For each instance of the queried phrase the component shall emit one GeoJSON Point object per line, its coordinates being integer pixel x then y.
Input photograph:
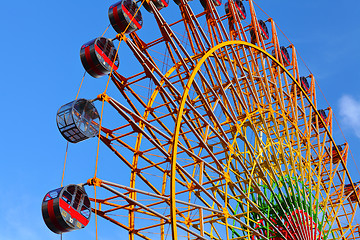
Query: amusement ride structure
{"type": "Point", "coordinates": [218, 129]}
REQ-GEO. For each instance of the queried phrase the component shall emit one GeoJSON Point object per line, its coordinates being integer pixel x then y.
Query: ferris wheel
{"type": "Point", "coordinates": [218, 129]}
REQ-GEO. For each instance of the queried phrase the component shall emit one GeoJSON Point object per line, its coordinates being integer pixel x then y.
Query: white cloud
{"type": "Point", "coordinates": [350, 113]}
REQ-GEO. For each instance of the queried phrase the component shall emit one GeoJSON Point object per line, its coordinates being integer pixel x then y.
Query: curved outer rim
{"type": "Point", "coordinates": [181, 111]}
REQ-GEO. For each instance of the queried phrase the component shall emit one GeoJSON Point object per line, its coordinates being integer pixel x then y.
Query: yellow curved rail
{"type": "Point", "coordinates": [181, 112]}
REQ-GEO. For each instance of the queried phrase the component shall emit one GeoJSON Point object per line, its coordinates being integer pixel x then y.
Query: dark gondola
{"type": "Point", "coordinates": [264, 32]}
{"type": "Point", "coordinates": [322, 115]}
{"type": "Point", "coordinates": [66, 209]}
{"type": "Point", "coordinates": [78, 120]}
{"type": "Point", "coordinates": [125, 15]}
{"type": "Point", "coordinates": [159, 4]}
{"type": "Point", "coordinates": [239, 8]}
{"type": "Point", "coordinates": [305, 84]}
{"type": "Point", "coordinates": [348, 190]}
{"type": "Point", "coordinates": [285, 56]}
{"type": "Point", "coordinates": [215, 2]}
{"type": "Point", "coordinates": [335, 156]}
{"type": "Point", "coordinates": [98, 57]}
{"type": "Point", "coordinates": [178, 1]}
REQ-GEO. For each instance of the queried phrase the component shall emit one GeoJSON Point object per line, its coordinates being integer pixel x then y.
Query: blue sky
{"type": "Point", "coordinates": [41, 70]}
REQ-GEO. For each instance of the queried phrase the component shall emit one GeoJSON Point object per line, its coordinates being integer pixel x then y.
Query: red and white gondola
{"type": "Point", "coordinates": [66, 209]}
{"type": "Point", "coordinates": [98, 57]}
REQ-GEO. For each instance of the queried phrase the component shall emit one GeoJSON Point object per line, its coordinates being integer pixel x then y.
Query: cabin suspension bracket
{"type": "Point", "coordinates": [94, 182]}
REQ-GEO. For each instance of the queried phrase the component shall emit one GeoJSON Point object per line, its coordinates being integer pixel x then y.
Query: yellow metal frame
{"type": "Point", "coordinates": [181, 112]}
{"type": "Point", "coordinates": [181, 59]}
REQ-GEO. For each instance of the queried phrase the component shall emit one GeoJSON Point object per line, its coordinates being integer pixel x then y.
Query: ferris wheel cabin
{"type": "Point", "coordinates": [78, 120]}
{"type": "Point", "coordinates": [178, 2]}
{"type": "Point", "coordinates": [205, 4]}
{"type": "Point", "coordinates": [125, 16]}
{"type": "Point", "coordinates": [159, 4]}
{"type": "Point", "coordinates": [285, 56]}
{"type": "Point", "coordinates": [322, 115]}
{"type": "Point", "coordinates": [348, 190]}
{"type": "Point", "coordinates": [335, 156]}
{"type": "Point", "coordinates": [239, 8]}
{"type": "Point", "coordinates": [305, 84]}
{"type": "Point", "coordinates": [99, 56]}
{"type": "Point", "coordinates": [264, 32]}
{"type": "Point", "coordinates": [66, 209]}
